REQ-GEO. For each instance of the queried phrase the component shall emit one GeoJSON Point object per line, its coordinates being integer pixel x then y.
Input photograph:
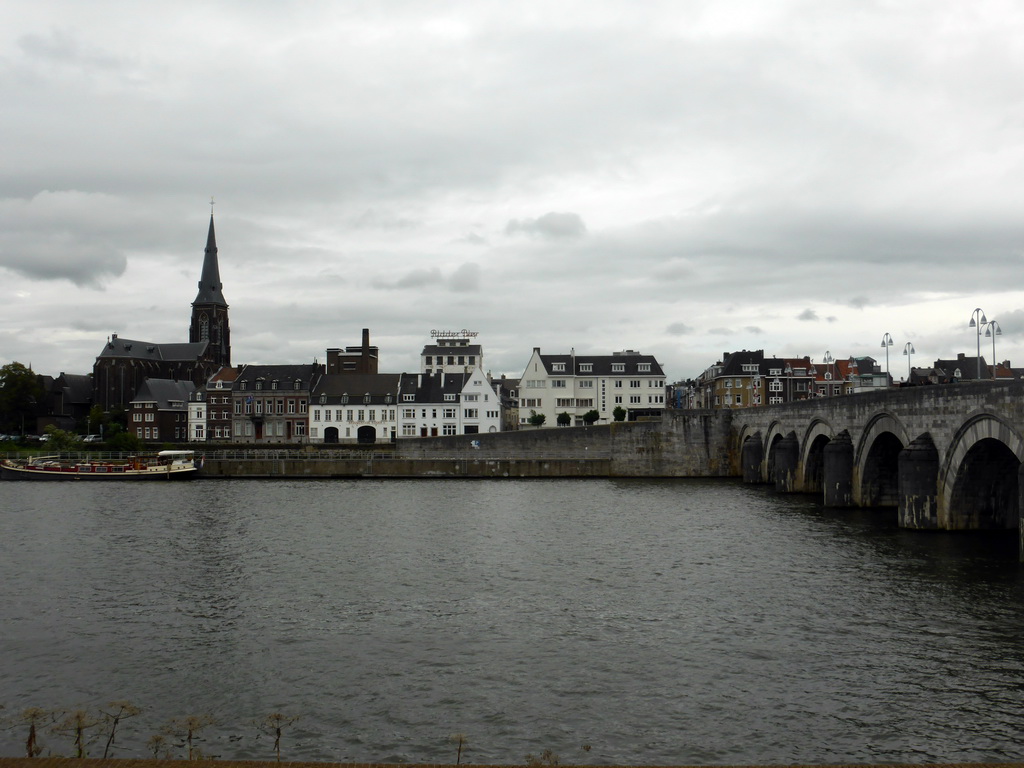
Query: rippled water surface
{"type": "Point", "coordinates": [657, 622]}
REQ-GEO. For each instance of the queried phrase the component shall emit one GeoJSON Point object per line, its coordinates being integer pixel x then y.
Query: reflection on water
{"type": "Point", "coordinates": [658, 622]}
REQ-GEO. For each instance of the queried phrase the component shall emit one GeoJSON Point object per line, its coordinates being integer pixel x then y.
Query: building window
{"type": "Point", "coordinates": [635, 399]}
{"type": "Point", "coordinates": [300, 429]}
{"type": "Point", "coordinates": [558, 383]}
{"type": "Point", "coordinates": [618, 367]}
{"type": "Point", "coordinates": [450, 413]}
{"type": "Point", "coordinates": [450, 397]}
{"type": "Point", "coordinates": [408, 398]}
{"type": "Point", "coordinates": [643, 367]}
{"type": "Point", "coordinates": [634, 383]}
{"type": "Point", "coordinates": [447, 429]}
{"type": "Point", "coordinates": [558, 367]}
{"type": "Point", "coordinates": [408, 430]}
{"type": "Point", "coordinates": [586, 384]}
{"type": "Point", "coordinates": [470, 413]}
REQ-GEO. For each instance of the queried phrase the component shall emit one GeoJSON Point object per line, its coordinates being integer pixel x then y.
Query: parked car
{"type": "Point", "coordinates": [91, 439]}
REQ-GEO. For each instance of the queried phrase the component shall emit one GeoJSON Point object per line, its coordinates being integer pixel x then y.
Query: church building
{"type": "Point", "coordinates": [124, 364]}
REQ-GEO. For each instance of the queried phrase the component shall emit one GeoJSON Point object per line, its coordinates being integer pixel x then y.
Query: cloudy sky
{"type": "Point", "coordinates": [681, 178]}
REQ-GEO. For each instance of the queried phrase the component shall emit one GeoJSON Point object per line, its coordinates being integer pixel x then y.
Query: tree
{"type": "Point", "coordinates": [20, 391]}
{"type": "Point", "coordinates": [591, 417]}
{"type": "Point", "coordinates": [537, 419]}
{"type": "Point", "coordinates": [61, 440]}
{"type": "Point", "coordinates": [125, 442]}
{"type": "Point", "coordinates": [619, 414]}
{"type": "Point", "coordinates": [564, 419]}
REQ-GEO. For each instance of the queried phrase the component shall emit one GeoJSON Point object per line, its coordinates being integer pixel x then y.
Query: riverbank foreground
{"type": "Point", "coordinates": [68, 762]}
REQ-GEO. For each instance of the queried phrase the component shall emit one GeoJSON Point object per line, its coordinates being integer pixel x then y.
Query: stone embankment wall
{"type": "Point", "coordinates": [682, 444]}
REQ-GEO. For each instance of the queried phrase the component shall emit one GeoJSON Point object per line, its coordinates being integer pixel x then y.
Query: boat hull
{"type": "Point", "coordinates": [10, 471]}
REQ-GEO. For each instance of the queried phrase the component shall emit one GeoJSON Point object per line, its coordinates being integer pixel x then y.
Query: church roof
{"type": "Point", "coordinates": [146, 350]}
{"type": "Point", "coordinates": [210, 286]}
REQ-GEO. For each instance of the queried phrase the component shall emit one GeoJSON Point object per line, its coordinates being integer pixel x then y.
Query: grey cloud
{"type": "Point", "coordinates": [721, 331]}
{"type": "Point", "coordinates": [679, 329]}
{"type": "Point", "coordinates": [466, 278]}
{"type": "Point", "coordinates": [472, 239]}
{"type": "Point", "coordinates": [753, 329]}
{"type": "Point", "coordinates": [859, 302]}
{"type": "Point", "coordinates": [417, 278]}
{"type": "Point", "coordinates": [550, 225]}
{"type": "Point", "coordinates": [807, 315]}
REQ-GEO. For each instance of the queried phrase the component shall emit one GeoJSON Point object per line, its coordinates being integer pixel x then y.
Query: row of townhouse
{"type": "Point", "coordinates": [748, 379]}
{"type": "Point", "coordinates": [348, 401]}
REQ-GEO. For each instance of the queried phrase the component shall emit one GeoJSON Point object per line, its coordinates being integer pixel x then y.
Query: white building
{"type": "Point", "coordinates": [354, 407]}
{"type": "Point", "coordinates": [197, 417]}
{"type": "Point", "coordinates": [577, 384]}
{"type": "Point", "coordinates": [451, 352]}
{"type": "Point", "coordinates": [442, 404]}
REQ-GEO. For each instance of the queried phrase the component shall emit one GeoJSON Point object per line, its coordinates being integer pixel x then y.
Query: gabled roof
{"type": "Point", "coordinates": [147, 350]}
{"type": "Point", "coordinates": [210, 287]}
{"type": "Point", "coordinates": [163, 391]}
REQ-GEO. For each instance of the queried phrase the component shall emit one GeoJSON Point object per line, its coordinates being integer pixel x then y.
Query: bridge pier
{"type": "Point", "coordinates": [918, 484]}
{"type": "Point", "coordinates": [838, 471]}
{"type": "Point", "coordinates": [751, 458]}
{"type": "Point", "coordinates": [786, 454]}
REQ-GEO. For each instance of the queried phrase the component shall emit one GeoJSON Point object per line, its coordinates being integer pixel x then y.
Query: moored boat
{"type": "Point", "coordinates": [165, 465]}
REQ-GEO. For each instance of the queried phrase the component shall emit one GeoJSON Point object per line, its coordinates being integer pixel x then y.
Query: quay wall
{"type": "Point", "coordinates": [681, 444]}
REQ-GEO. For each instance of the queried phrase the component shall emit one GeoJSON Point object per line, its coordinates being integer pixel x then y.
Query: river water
{"type": "Point", "coordinates": [629, 622]}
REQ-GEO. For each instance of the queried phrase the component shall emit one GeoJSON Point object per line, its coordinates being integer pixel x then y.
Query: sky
{"type": "Point", "coordinates": [679, 178]}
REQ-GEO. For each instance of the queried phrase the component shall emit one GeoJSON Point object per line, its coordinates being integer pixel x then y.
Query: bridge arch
{"type": "Point", "coordinates": [980, 487]}
{"type": "Point", "coordinates": [819, 433]}
{"type": "Point", "coordinates": [776, 432]}
{"type": "Point", "coordinates": [876, 482]}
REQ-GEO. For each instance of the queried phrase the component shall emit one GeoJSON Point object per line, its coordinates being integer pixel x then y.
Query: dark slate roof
{"type": "Point", "coordinates": [285, 375]}
{"type": "Point", "coordinates": [735, 361]}
{"type": "Point", "coordinates": [433, 388]}
{"type": "Point", "coordinates": [147, 350]}
{"type": "Point", "coordinates": [601, 364]}
{"type": "Point", "coordinates": [968, 367]}
{"type": "Point", "coordinates": [437, 349]}
{"type": "Point", "coordinates": [357, 384]}
{"type": "Point", "coordinates": [77, 387]}
{"type": "Point", "coordinates": [210, 286]}
{"type": "Point", "coordinates": [163, 391]}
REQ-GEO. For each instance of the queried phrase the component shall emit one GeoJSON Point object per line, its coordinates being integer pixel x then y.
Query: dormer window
{"type": "Point", "coordinates": [643, 367]}
{"type": "Point", "coordinates": [618, 367]}
{"type": "Point", "coordinates": [242, 385]}
{"type": "Point", "coordinates": [344, 398]}
{"type": "Point", "coordinates": [586, 367]}
{"type": "Point", "coordinates": [408, 398]}
{"type": "Point", "coordinates": [558, 367]}
{"type": "Point", "coordinates": [298, 384]}
{"type": "Point", "coordinates": [366, 397]}
{"type": "Point", "coordinates": [449, 397]}
{"type": "Point", "coordinates": [323, 399]}
{"type": "Point", "coordinates": [259, 383]}
{"type": "Point", "coordinates": [273, 384]}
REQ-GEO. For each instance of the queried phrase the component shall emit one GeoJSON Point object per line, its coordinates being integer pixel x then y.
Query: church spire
{"type": "Point", "coordinates": [210, 286]}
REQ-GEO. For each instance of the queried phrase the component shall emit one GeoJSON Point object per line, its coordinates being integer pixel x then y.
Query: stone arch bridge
{"type": "Point", "coordinates": [946, 456]}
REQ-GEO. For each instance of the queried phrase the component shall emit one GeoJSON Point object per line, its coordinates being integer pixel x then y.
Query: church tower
{"type": "Point", "coordinates": [210, 310]}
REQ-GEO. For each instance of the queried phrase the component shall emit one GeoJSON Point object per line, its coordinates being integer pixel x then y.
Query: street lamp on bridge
{"type": "Point", "coordinates": [887, 342]}
{"type": "Point", "coordinates": [978, 321]}
{"type": "Point", "coordinates": [992, 329]}
{"type": "Point", "coordinates": [908, 350]}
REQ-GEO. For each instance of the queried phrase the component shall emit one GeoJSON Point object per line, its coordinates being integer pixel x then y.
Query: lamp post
{"type": "Point", "coordinates": [828, 360]}
{"type": "Point", "coordinates": [908, 350]}
{"type": "Point", "coordinates": [886, 343]}
{"type": "Point", "coordinates": [992, 329]}
{"type": "Point", "coordinates": [977, 321]}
